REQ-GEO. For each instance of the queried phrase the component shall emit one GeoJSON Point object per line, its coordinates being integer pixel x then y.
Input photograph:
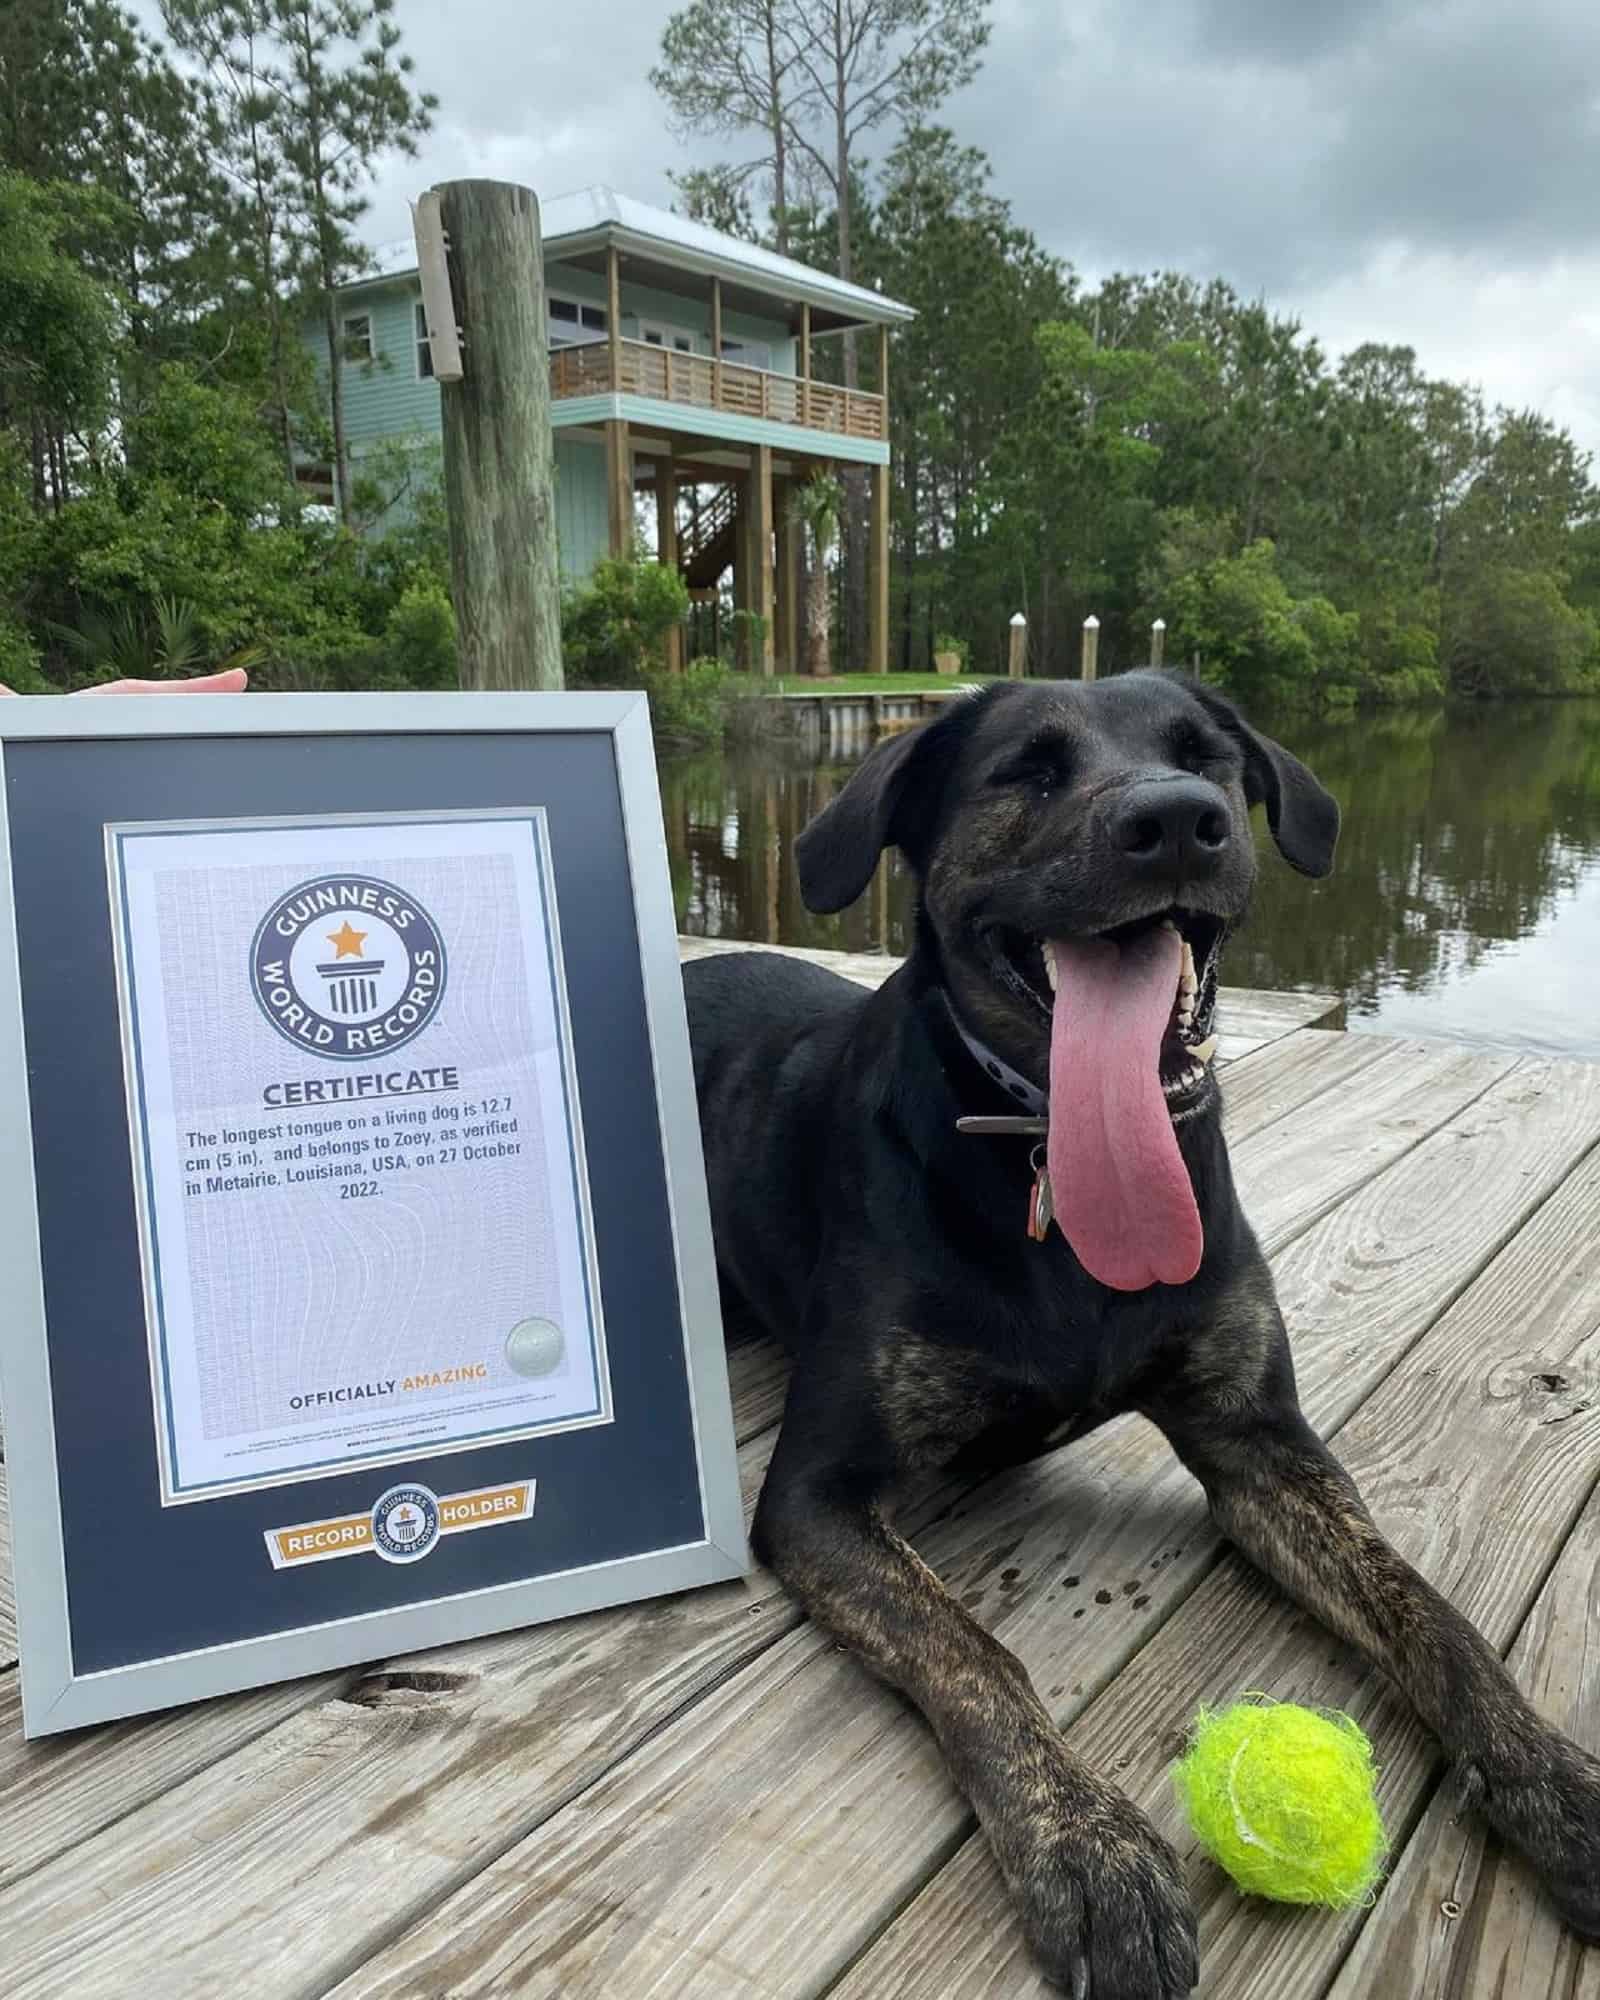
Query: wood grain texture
{"type": "Point", "coordinates": [1354, 1134]}
{"type": "Point", "coordinates": [498, 447]}
{"type": "Point", "coordinates": [699, 1867]}
{"type": "Point", "coordinates": [1286, 1075]}
{"type": "Point", "coordinates": [1468, 1479]}
{"type": "Point", "coordinates": [1460, 1917]}
{"type": "Point", "coordinates": [57, 1791]}
{"type": "Point", "coordinates": [761, 1369]}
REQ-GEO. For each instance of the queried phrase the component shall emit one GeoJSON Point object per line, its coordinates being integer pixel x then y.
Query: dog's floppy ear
{"type": "Point", "coordinates": [888, 802]}
{"type": "Point", "coordinates": [1303, 815]}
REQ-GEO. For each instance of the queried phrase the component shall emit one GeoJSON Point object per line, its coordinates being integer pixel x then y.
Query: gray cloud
{"type": "Point", "coordinates": [1281, 143]}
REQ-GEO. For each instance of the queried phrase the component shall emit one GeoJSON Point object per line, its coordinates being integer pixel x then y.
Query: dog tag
{"type": "Point", "coordinates": [1041, 1205]}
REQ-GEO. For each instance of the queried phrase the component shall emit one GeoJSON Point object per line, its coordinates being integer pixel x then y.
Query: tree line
{"type": "Point", "coordinates": [174, 210]}
{"type": "Point", "coordinates": [1335, 529]}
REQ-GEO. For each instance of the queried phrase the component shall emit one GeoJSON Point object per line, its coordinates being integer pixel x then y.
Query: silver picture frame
{"type": "Point", "coordinates": [57, 1695]}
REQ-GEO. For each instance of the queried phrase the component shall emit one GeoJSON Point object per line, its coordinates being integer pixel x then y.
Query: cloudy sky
{"type": "Point", "coordinates": [1425, 171]}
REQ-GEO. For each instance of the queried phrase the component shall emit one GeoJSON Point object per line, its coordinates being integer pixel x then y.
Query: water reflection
{"type": "Point", "coordinates": [1466, 902]}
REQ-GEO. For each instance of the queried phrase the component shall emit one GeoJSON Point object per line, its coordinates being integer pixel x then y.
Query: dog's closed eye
{"type": "Point", "coordinates": [1197, 750]}
{"type": "Point", "coordinates": [1044, 762]}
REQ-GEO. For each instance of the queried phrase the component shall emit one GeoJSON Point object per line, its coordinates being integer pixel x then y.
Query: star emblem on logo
{"type": "Point", "coordinates": [347, 940]}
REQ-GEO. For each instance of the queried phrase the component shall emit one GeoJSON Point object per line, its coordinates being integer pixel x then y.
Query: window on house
{"type": "Point", "coordinates": [748, 353]}
{"type": "Point", "coordinates": [424, 346]}
{"type": "Point", "coordinates": [657, 333]}
{"type": "Point", "coordinates": [570, 322]}
{"type": "Point", "coordinates": [358, 336]}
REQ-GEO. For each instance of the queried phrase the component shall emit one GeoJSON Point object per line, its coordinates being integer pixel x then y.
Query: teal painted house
{"type": "Point", "coordinates": [680, 372]}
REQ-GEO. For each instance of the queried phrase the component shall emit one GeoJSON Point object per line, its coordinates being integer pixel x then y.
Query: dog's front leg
{"type": "Point", "coordinates": [1279, 1494]}
{"type": "Point", "coordinates": [1100, 1893]}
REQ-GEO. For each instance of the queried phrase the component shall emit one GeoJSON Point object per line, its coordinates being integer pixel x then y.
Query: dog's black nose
{"type": "Point", "coordinates": [1176, 826]}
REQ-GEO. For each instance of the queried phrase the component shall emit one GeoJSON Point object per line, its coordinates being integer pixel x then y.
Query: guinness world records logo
{"type": "Point", "coordinates": [348, 966]}
{"type": "Point", "coordinates": [405, 1523]}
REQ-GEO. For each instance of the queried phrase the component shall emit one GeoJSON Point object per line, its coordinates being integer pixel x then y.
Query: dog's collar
{"type": "Point", "coordinates": [1031, 1101]}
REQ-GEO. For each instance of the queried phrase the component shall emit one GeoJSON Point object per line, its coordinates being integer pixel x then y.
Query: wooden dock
{"type": "Point", "coordinates": [703, 1799]}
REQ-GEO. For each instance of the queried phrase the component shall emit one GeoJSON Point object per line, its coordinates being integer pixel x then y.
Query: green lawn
{"type": "Point", "coordinates": [874, 683]}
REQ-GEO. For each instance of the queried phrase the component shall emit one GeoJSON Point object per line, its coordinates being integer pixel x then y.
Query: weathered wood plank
{"type": "Point", "coordinates": [414, 1786]}
{"type": "Point", "coordinates": [1247, 1017]}
{"type": "Point", "coordinates": [1412, 1090]}
{"type": "Point", "coordinates": [55, 1792]}
{"type": "Point", "coordinates": [1290, 1073]}
{"type": "Point", "coordinates": [700, 1867]}
{"type": "Point", "coordinates": [762, 1371]}
{"type": "Point", "coordinates": [498, 447]}
{"type": "Point", "coordinates": [1459, 1917]}
{"type": "Point", "coordinates": [1467, 1478]}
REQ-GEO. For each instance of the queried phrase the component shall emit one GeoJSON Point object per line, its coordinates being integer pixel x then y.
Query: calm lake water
{"type": "Point", "coordinates": [1465, 905]}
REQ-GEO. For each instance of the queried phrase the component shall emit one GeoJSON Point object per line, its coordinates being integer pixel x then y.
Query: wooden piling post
{"type": "Point", "coordinates": [1017, 658]}
{"type": "Point", "coordinates": [1158, 642]}
{"type": "Point", "coordinates": [1091, 645]}
{"type": "Point", "coordinates": [667, 544]}
{"type": "Point", "coordinates": [499, 454]}
{"type": "Point", "coordinates": [762, 577]}
{"type": "Point", "coordinates": [878, 571]}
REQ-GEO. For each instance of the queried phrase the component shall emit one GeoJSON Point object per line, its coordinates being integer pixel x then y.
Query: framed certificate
{"type": "Point", "coordinates": [362, 1287]}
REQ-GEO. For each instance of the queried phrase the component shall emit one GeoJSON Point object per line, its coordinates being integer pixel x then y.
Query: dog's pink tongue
{"type": "Point", "coordinates": [1120, 1189]}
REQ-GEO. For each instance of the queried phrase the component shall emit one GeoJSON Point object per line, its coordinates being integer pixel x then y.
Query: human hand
{"type": "Point", "coordinates": [233, 680]}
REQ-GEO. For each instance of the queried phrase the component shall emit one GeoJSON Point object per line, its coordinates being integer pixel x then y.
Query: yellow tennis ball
{"type": "Point", "coordinates": [1283, 1798]}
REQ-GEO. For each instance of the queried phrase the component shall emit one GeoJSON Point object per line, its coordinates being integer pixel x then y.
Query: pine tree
{"type": "Point", "coordinates": [233, 41]}
{"type": "Point", "coordinates": [344, 96]}
{"type": "Point", "coordinates": [728, 66]}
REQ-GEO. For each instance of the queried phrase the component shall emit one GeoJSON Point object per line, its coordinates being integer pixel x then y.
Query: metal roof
{"type": "Point", "coordinates": [597, 216]}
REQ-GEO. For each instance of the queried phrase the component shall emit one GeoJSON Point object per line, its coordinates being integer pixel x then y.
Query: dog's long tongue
{"type": "Point", "coordinates": [1120, 1189]}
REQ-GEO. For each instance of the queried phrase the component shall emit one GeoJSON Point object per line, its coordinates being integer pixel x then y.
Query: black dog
{"type": "Point", "coordinates": [1082, 853]}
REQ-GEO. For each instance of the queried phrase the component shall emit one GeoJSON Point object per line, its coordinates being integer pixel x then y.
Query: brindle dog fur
{"type": "Point", "coordinates": [888, 1254]}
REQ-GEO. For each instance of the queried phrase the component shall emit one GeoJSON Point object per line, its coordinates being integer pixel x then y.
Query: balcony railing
{"type": "Point", "coordinates": [698, 382]}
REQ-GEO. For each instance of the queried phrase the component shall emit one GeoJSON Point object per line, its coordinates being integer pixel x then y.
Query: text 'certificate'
{"type": "Point", "coordinates": [357, 1147]}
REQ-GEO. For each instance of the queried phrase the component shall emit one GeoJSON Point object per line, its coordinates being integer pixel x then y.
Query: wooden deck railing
{"type": "Point", "coordinates": [701, 383]}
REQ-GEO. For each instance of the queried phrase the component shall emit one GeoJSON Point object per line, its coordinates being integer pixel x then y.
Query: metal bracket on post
{"type": "Point", "coordinates": [438, 301]}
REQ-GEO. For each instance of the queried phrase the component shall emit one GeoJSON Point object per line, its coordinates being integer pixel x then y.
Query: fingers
{"type": "Point", "coordinates": [232, 680]}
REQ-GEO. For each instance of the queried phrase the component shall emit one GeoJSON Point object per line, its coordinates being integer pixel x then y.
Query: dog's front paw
{"type": "Point", "coordinates": [1550, 1812]}
{"type": "Point", "coordinates": [1102, 1900]}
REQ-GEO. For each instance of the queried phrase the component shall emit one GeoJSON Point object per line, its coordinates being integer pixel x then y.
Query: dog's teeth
{"type": "Point", "coordinates": [1186, 978]}
{"type": "Point", "coordinates": [1048, 953]}
{"type": "Point", "coordinates": [1204, 1051]}
{"type": "Point", "coordinates": [1167, 924]}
